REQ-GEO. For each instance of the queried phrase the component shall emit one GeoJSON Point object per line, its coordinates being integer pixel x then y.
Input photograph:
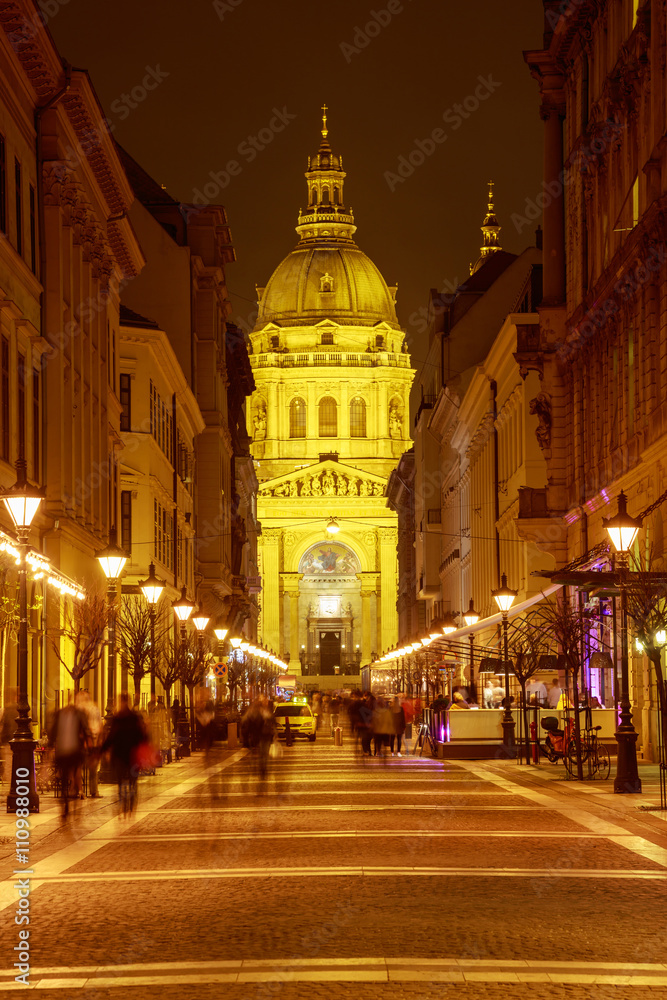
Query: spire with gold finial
{"type": "Point", "coordinates": [490, 233]}
{"type": "Point", "coordinates": [326, 216]}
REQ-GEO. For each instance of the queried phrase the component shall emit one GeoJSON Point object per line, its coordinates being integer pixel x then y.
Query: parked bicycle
{"type": "Point", "coordinates": [561, 744]}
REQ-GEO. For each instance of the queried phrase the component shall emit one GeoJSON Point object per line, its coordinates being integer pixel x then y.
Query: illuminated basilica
{"type": "Point", "coordinates": [329, 420]}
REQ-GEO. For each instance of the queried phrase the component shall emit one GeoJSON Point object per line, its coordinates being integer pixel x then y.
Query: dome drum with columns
{"type": "Point", "coordinates": [328, 420]}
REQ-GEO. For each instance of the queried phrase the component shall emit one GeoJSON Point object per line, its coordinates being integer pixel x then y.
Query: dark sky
{"type": "Point", "coordinates": [226, 66]}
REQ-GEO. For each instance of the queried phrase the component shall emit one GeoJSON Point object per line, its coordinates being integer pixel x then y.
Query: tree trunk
{"type": "Point", "coordinates": [191, 692]}
{"type": "Point", "coordinates": [526, 731]}
{"type": "Point", "coordinates": [655, 658]}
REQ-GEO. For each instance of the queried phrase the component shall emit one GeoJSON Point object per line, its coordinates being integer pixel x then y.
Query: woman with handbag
{"type": "Point", "coordinates": [128, 742]}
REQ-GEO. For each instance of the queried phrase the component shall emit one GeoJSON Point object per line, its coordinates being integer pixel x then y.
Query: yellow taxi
{"type": "Point", "coordinates": [302, 722]}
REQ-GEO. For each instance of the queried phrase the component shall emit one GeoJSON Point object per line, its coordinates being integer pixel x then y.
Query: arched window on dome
{"type": "Point", "coordinates": [358, 418]}
{"type": "Point", "coordinates": [325, 195]}
{"type": "Point", "coordinates": [336, 196]}
{"type": "Point", "coordinates": [297, 418]}
{"type": "Point", "coordinates": [328, 413]}
{"type": "Point", "coordinates": [313, 196]}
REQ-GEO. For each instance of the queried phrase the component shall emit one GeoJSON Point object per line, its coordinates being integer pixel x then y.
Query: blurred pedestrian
{"type": "Point", "coordinates": [408, 710]}
{"type": "Point", "coordinates": [68, 738]}
{"type": "Point", "coordinates": [92, 749]}
{"type": "Point", "coordinates": [258, 730]}
{"type": "Point", "coordinates": [175, 712]}
{"type": "Point", "coordinates": [398, 726]}
{"type": "Point", "coordinates": [334, 708]}
{"type": "Point", "coordinates": [126, 735]}
{"type": "Point", "coordinates": [382, 727]}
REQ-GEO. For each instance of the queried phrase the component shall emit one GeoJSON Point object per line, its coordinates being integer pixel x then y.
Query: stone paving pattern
{"type": "Point", "coordinates": [542, 916]}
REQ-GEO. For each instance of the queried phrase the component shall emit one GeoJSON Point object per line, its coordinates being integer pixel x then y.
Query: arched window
{"type": "Point", "coordinates": [297, 418]}
{"type": "Point", "coordinates": [313, 196]}
{"type": "Point", "coordinates": [328, 417]}
{"type": "Point", "coordinates": [335, 201]}
{"type": "Point", "coordinates": [358, 418]}
{"type": "Point", "coordinates": [325, 196]}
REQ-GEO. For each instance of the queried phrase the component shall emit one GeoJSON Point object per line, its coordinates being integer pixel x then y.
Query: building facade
{"type": "Point", "coordinates": [182, 288]}
{"type": "Point", "coordinates": [329, 422]}
{"type": "Point", "coordinates": [599, 348]}
{"type": "Point", "coordinates": [68, 249]}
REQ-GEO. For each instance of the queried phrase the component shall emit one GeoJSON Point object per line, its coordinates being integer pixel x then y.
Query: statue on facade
{"type": "Point", "coordinates": [341, 487]}
{"type": "Point", "coordinates": [540, 407]}
{"type": "Point", "coordinates": [364, 488]}
{"type": "Point", "coordinates": [239, 538]}
{"type": "Point", "coordinates": [328, 484]}
{"type": "Point", "coordinates": [352, 488]}
{"type": "Point", "coordinates": [395, 421]}
{"type": "Point", "coordinates": [316, 486]}
{"type": "Point", "coordinates": [260, 421]}
{"type": "Point", "coordinates": [305, 488]}
{"type": "Point", "coordinates": [294, 488]}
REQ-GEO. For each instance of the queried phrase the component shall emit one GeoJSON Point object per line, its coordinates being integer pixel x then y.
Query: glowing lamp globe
{"type": "Point", "coordinates": [622, 529]}
{"type": "Point", "coordinates": [332, 526]}
{"type": "Point", "coordinates": [111, 558]}
{"type": "Point", "coordinates": [470, 617]}
{"type": "Point", "coordinates": [221, 633]}
{"type": "Point", "coordinates": [200, 622]}
{"type": "Point", "coordinates": [504, 596]}
{"type": "Point", "coordinates": [152, 587]}
{"type": "Point", "coordinates": [183, 608]}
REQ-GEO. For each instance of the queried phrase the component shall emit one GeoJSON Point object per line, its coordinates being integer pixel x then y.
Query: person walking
{"type": "Point", "coordinates": [334, 708]}
{"type": "Point", "coordinates": [93, 719]}
{"type": "Point", "coordinates": [68, 737]}
{"type": "Point", "coordinates": [554, 694]}
{"type": "Point", "coordinates": [126, 734]}
{"type": "Point", "coordinates": [382, 727]}
{"type": "Point", "coordinates": [398, 726]}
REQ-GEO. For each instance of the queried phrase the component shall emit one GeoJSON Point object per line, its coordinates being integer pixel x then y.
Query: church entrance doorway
{"type": "Point", "coordinates": [329, 651]}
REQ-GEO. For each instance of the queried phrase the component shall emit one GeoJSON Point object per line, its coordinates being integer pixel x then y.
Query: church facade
{"type": "Point", "coordinates": [329, 420]}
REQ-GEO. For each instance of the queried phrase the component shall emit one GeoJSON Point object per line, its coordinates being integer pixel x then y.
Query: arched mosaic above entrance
{"type": "Point", "coordinates": [329, 559]}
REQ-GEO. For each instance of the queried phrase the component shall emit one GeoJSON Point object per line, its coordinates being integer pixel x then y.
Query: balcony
{"type": "Point", "coordinates": [333, 359]}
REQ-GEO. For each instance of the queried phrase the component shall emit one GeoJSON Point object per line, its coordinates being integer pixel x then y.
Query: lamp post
{"type": "Point", "coordinates": [112, 559]}
{"type": "Point", "coordinates": [22, 502]}
{"type": "Point", "coordinates": [152, 590]}
{"type": "Point", "coordinates": [471, 617]}
{"type": "Point", "coordinates": [183, 608]}
{"type": "Point", "coordinates": [504, 598]}
{"type": "Point", "coordinates": [220, 634]}
{"type": "Point", "coordinates": [200, 622]}
{"type": "Point", "coordinates": [623, 530]}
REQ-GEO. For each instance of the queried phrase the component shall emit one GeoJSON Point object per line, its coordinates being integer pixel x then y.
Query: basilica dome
{"type": "Point", "coordinates": [320, 280]}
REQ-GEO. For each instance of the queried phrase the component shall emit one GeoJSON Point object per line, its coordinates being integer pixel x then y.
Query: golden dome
{"type": "Point", "coordinates": [334, 281]}
{"type": "Point", "coordinates": [326, 276]}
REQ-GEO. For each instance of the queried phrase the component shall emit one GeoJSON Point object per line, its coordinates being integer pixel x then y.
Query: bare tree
{"type": "Point", "coordinates": [647, 609]}
{"type": "Point", "coordinates": [83, 626]}
{"type": "Point", "coordinates": [527, 645]}
{"type": "Point", "coordinates": [192, 672]}
{"type": "Point", "coordinates": [561, 622]}
{"type": "Point", "coordinates": [134, 631]}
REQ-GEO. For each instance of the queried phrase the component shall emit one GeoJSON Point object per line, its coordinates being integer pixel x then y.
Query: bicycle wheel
{"type": "Point", "coordinates": [602, 762]}
{"type": "Point", "coordinates": [570, 756]}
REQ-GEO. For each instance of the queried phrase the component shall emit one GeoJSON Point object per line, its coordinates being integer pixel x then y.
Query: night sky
{"type": "Point", "coordinates": [224, 68]}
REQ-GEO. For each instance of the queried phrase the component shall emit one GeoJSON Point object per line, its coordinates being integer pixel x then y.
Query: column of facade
{"type": "Point", "coordinates": [554, 208]}
{"type": "Point", "coordinates": [312, 428]}
{"type": "Point", "coordinates": [382, 426]}
{"type": "Point", "coordinates": [290, 583]}
{"type": "Point", "coordinates": [273, 422]}
{"type": "Point", "coordinates": [271, 588]}
{"type": "Point", "coordinates": [368, 583]}
{"type": "Point", "coordinates": [388, 630]}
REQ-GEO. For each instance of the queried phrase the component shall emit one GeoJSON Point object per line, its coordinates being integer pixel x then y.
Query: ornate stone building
{"type": "Point", "coordinates": [599, 349]}
{"type": "Point", "coordinates": [329, 422]}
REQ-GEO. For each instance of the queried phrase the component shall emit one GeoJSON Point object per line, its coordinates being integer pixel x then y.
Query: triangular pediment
{"type": "Point", "coordinates": [325, 479]}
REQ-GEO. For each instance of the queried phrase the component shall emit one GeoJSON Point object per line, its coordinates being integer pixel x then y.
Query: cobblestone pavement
{"type": "Point", "coordinates": [342, 877]}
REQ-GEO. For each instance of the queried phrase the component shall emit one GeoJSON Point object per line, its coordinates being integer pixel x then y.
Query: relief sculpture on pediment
{"type": "Point", "coordinates": [327, 484]}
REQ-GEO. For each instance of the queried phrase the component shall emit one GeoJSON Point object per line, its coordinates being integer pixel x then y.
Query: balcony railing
{"type": "Point", "coordinates": [338, 359]}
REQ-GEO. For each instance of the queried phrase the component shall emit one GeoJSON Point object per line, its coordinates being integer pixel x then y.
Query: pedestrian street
{"type": "Point", "coordinates": [345, 877]}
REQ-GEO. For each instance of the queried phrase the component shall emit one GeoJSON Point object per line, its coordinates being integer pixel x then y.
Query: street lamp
{"type": "Point", "coordinates": [183, 608]}
{"type": "Point", "coordinates": [22, 502]}
{"type": "Point", "coordinates": [332, 526]}
{"type": "Point", "coordinates": [152, 590]}
{"type": "Point", "coordinates": [623, 530]}
{"type": "Point", "coordinates": [200, 622]}
{"type": "Point", "coordinates": [504, 598]}
{"type": "Point", "coordinates": [112, 559]}
{"type": "Point", "coordinates": [471, 617]}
